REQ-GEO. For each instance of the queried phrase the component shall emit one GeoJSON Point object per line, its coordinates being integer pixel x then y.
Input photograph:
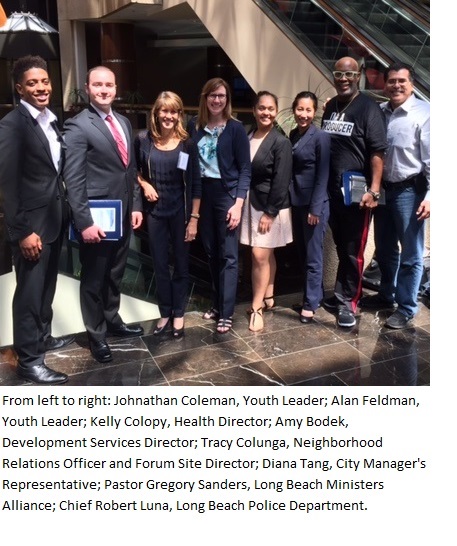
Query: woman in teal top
{"type": "Point", "coordinates": [225, 167]}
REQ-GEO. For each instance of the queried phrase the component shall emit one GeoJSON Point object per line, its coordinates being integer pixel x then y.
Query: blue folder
{"type": "Point", "coordinates": [354, 187]}
{"type": "Point", "coordinates": [106, 213]}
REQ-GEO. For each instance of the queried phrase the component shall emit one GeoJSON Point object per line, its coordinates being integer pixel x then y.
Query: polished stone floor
{"type": "Point", "coordinates": [286, 352]}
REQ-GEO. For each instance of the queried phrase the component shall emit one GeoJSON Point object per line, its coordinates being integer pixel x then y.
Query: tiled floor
{"type": "Point", "coordinates": [286, 352]}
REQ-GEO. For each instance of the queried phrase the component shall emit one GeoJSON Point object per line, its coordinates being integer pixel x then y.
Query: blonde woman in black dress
{"type": "Point", "coordinates": [169, 175]}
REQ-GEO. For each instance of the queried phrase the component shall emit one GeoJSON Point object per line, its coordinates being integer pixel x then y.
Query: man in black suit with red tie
{"type": "Point", "coordinates": [31, 152]}
{"type": "Point", "coordinates": [100, 164]}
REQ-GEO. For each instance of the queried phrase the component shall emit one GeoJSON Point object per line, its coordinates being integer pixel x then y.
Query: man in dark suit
{"type": "Point", "coordinates": [100, 164]}
{"type": "Point", "coordinates": [36, 216]}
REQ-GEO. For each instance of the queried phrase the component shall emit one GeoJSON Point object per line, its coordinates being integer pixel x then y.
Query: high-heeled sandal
{"type": "Point", "coordinates": [256, 320]}
{"type": "Point", "coordinates": [224, 325]}
{"type": "Point", "coordinates": [268, 306]}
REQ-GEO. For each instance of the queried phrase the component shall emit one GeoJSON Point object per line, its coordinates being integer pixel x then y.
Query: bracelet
{"type": "Point", "coordinates": [197, 216]}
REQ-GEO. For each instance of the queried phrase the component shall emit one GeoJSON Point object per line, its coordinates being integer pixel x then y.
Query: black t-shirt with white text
{"type": "Point", "coordinates": [357, 132]}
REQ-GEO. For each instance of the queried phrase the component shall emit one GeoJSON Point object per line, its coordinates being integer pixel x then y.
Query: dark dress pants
{"type": "Point", "coordinates": [310, 246]}
{"type": "Point", "coordinates": [32, 302]}
{"type": "Point", "coordinates": [102, 269]}
{"type": "Point", "coordinates": [171, 288]}
{"type": "Point", "coordinates": [350, 226]}
{"type": "Point", "coordinates": [220, 244]}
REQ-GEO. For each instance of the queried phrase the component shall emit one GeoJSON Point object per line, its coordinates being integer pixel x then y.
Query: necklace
{"type": "Point", "coordinates": [169, 144]}
{"type": "Point", "coordinates": [340, 113]}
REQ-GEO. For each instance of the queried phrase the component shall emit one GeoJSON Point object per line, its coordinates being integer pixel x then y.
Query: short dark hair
{"type": "Point", "coordinates": [395, 67]}
{"type": "Point", "coordinates": [28, 62]}
{"type": "Point", "coordinates": [101, 67]}
{"type": "Point", "coordinates": [305, 95]}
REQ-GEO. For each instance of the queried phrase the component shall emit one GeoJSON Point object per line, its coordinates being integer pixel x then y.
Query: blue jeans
{"type": "Point", "coordinates": [399, 239]}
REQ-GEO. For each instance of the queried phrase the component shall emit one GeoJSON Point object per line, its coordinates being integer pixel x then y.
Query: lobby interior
{"type": "Point", "coordinates": [286, 352]}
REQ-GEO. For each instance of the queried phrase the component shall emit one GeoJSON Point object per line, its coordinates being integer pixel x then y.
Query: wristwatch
{"type": "Point", "coordinates": [375, 194]}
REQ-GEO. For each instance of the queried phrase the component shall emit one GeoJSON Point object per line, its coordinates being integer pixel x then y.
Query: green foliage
{"type": "Point", "coordinates": [77, 96]}
{"type": "Point", "coordinates": [133, 97]}
{"type": "Point", "coordinates": [77, 99]}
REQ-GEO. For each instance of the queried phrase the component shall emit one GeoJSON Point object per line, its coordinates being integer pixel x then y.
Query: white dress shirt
{"type": "Point", "coordinates": [408, 137]}
{"type": "Point", "coordinates": [45, 118]}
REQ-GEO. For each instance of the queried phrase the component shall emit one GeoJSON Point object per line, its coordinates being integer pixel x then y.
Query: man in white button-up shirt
{"type": "Point", "coordinates": [400, 224]}
{"type": "Point", "coordinates": [36, 216]}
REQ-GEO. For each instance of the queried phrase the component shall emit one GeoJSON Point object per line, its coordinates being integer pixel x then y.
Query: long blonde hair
{"type": "Point", "coordinates": [168, 99]}
{"type": "Point", "coordinates": [209, 87]}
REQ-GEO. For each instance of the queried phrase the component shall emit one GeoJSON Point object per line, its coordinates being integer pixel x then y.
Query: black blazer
{"type": "Point", "coordinates": [271, 173]}
{"type": "Point", "coordinates": [311, 164]}
{"type": "Point", "coordinates": [31, 186]}
{"type": "Point", "coordinates": [94, 167]}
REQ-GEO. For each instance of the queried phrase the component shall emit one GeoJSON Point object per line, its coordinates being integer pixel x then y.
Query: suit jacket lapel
{"type": "Point", "coordinates": [265, 147]}
{"type": "Point", "coordinates": [305, 138]}
{"type": "Point", "coordinates": [36, 128]}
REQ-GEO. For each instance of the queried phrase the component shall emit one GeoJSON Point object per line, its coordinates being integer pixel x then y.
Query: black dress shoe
{"type": "Point", "coordinates": [100, 351]}
{"type": "Point", "coordinates": [53, 343]}
{"type": "Point", "coordinates": [127, 331]}
{"type": "Point", "coordinates": [41, 374]}
{"type": "Point", "coordinates": [306, 320]}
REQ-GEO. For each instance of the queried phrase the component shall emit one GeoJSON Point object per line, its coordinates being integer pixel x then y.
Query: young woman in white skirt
{"type": "Point", "coordinates": [266, 220]}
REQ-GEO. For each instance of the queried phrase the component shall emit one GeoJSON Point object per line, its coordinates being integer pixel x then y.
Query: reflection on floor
{"type": "Point", "coordinates": [286, 352]}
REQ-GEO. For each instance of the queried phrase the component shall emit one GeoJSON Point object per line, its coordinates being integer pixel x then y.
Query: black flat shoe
{"type": "Point", "coordinates": [178, 333]}
{"type": "Point", "coordinates": [306, 320]}
{"type": "Point", "coordinates": [159, 330]}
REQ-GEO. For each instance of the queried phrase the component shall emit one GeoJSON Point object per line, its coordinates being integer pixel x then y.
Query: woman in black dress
{"type": "Point", "coordinates": [169, 175]}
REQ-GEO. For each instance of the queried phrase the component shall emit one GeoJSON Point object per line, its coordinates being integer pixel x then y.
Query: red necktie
{"type": "Point", "coordinates": [119, 140]}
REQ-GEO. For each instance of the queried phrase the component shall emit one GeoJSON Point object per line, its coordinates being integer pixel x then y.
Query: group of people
{"type": "Point", "coordinates": [213, 179]}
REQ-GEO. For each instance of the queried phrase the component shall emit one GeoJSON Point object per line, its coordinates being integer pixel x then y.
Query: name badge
{"type": "Point", "coordinates": [183, 159]}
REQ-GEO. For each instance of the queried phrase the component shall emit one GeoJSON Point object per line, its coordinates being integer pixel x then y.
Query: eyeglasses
{"type": "Point", "coordinates": [349, 75]}
{"type": "Point", "coordinates": [214, 96]}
